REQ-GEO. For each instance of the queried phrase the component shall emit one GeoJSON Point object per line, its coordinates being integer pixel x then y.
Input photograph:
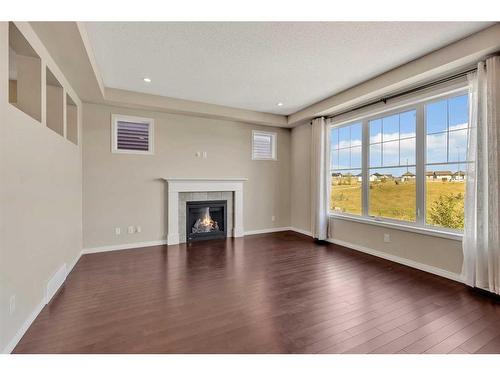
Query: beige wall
{"type": "Point", "coordinates": [40, 202]}
{"type": "Point", "coordinates": [55, 108]}
{"type": "Point", "coordinates": [432, 251]}
{"type": "Point", "coordinates": [123, 190]}
{"type": "Point", "coordinates": [29, 92]}
{"type": "Point", "coordinates": [301, 178]}
{"type": "Point", "coordinates": [12, 91]}
{"type": "Point", "coordinates": [71, 122]}
{"type": "Point", "coordinates": [437, 252]}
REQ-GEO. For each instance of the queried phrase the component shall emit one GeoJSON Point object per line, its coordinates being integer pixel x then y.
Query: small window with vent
{"type": "Point", "coordinates": [132, 135]}
{"type": "Point", "coordinates": [263, 145]}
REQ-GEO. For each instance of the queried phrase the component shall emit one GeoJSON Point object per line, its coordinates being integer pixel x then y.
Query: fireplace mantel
{"type": "Point", "coordinates": [176, 185]}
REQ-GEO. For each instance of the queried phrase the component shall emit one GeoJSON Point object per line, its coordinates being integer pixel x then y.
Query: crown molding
{"type": "Point", "coordinates": [137, 100]}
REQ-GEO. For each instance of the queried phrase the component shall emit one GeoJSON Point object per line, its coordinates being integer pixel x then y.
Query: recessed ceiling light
{"type": "Point", "coordinates": [146, 79]}
{"type": "Point", "coordinates": [279, 104]}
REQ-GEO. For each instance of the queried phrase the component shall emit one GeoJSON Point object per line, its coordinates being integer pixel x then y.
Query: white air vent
{"type": "Point", "coordinates": [132, 135]}
{"type": "Point", "coordinates": [263, 145]}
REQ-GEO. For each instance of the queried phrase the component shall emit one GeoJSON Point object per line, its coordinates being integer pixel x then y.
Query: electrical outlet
{"type": "Point", "coordinates": [130, 229]}
{"type": "Point", "coordinates": [138, 229]}
{"type": "Point", "coordinates": [273, 218]}
{"type": "Point", "coordinates": [12, 304]}
{"type": "Point", "coordinates": [118, 231]}
{"type": "Point", "coordinates": [387, 237]}
{"type": "Point", "coordinates": [198, 154]}
{"type": "Point", "coordinates": [204, 154]}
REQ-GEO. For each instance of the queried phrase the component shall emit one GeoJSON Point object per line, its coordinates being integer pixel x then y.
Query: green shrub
{"type": "Point", "coordinates": [448, 211]}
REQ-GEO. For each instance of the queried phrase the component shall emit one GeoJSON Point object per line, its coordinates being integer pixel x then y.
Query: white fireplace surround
{"type": "Point", "coordinates": [189, 185]}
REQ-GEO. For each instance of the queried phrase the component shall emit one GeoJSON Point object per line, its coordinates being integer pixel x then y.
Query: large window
{"type": "Point", "coordinates": [345, 166]}
{"type": "Point", "coordinates": [446, 150]}
{"type": "Point", "coordinates": [392, 166]}
{"type": "Point", "coordinates": [405, 165]}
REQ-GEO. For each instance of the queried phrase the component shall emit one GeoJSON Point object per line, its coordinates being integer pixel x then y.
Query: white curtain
{"type": "Point", "coordinates": [481, 230]}
{"type": "Point", "coordinates": [319, 215]}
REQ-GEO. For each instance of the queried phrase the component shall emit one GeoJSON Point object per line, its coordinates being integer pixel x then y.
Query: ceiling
{"type": "Point", "coordinates": [255, 66]}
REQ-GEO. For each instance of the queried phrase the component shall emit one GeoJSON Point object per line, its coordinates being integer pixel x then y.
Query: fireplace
{"type": "Point", "coordinates": [182, 190]}
{"type": "Point", "coordinates": [206, 220]}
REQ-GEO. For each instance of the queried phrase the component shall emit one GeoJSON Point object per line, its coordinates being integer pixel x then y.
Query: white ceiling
{"type": "Point", "coordinates": [256, 65]}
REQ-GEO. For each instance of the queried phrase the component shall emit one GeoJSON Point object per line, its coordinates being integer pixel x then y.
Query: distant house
{"type": "Point", "coordinates": [439, 175]}
{"type": "Point", "coordinates": [376, 177]}
{"type": "Point", "coordinates": [359, 176]}
{"type": "Point", "coordinates": [381, 177]}
{"type": "Point", "coordinates": [458, 176]}
{"type": "Point", "coordinates": [408, 176]}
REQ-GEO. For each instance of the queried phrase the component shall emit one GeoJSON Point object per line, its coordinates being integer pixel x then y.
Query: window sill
{"type": "Point", "coordinates": [405, 227]}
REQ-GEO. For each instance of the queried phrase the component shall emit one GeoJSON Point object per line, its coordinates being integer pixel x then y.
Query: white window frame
{"type": "Point", "coordinates": [115, 118]}
{"type": "Point", "coordinates": [416, 102]}
{"type": "Point", "coordinates": [274, 144]}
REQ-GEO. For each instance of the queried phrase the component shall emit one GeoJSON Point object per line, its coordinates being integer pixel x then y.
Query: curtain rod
{"type": "Point", "coordinates": [409, 91]}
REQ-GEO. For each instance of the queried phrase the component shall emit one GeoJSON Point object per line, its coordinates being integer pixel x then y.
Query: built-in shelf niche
{"type": "Point", "coordinates": [71, 120]}
{"type": "Point", "coordinates": [25, 75]}
{"type": "Point", "coordinates": [55, 103]}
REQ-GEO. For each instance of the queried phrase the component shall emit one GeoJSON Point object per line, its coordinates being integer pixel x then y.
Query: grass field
{"type": "Point", "coordinates": [390, 200]}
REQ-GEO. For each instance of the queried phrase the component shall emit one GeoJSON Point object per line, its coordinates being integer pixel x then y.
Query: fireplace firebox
{"type": "Point", "coordinates": [206, 220]}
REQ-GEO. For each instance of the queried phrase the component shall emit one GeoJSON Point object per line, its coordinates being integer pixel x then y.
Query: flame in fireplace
{"type": "Point", "coordinates": [207, 220]}
{"type": "Point", "coordinates": [205, 224]}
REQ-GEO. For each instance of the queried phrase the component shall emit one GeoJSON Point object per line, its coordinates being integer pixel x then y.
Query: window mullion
{"type": "Point", "coordinates": [365, 136]}
{"type": "Point", "coordinates": [420, 167]}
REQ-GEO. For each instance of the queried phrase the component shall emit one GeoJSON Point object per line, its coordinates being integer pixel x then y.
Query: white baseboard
{"type": "Point", "coordinates": [380, 254]}
{"type": "Point", "coordinates": [407, 262]}
{"type": "Point", "coordinates": [73, 264]}
{"type": "Point", "coordinates": [27, 323]}
{"type": "Point", "coordinates": [55, 282]}
{"type": "Point", "coordinates": [51, 289]}
{"type": "Point", "coordinates": [268, 230]}
{"type": "Point", "coordinates": [279, 229]}
{"type": "Point", "coordinates": [238, 232]}
{"type": "Point", "coordinates": [172, 239]}
{"type": "Point", "coordinates": [302, 231]}
{"type": "Point", "coordinates": [101, 249]}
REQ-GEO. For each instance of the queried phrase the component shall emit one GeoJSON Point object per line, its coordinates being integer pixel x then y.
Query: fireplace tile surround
{"type": "Point", "coordinates": [203, 196]}
{"type": "Point", "coordinates": [181, 190]}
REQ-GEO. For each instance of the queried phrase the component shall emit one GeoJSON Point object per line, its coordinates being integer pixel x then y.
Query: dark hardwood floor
{"type": "Point", "coordinates": [274, 293]}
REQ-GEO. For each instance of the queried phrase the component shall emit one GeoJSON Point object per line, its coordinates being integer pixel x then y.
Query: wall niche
{"type": "Point", "coordinates": [25, 75]}
{"type": "Point", "coordinates": [55, 103]}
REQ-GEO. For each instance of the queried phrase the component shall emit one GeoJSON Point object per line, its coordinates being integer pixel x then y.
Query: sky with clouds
{"type": "Point", "coordinates": [392, 140]}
